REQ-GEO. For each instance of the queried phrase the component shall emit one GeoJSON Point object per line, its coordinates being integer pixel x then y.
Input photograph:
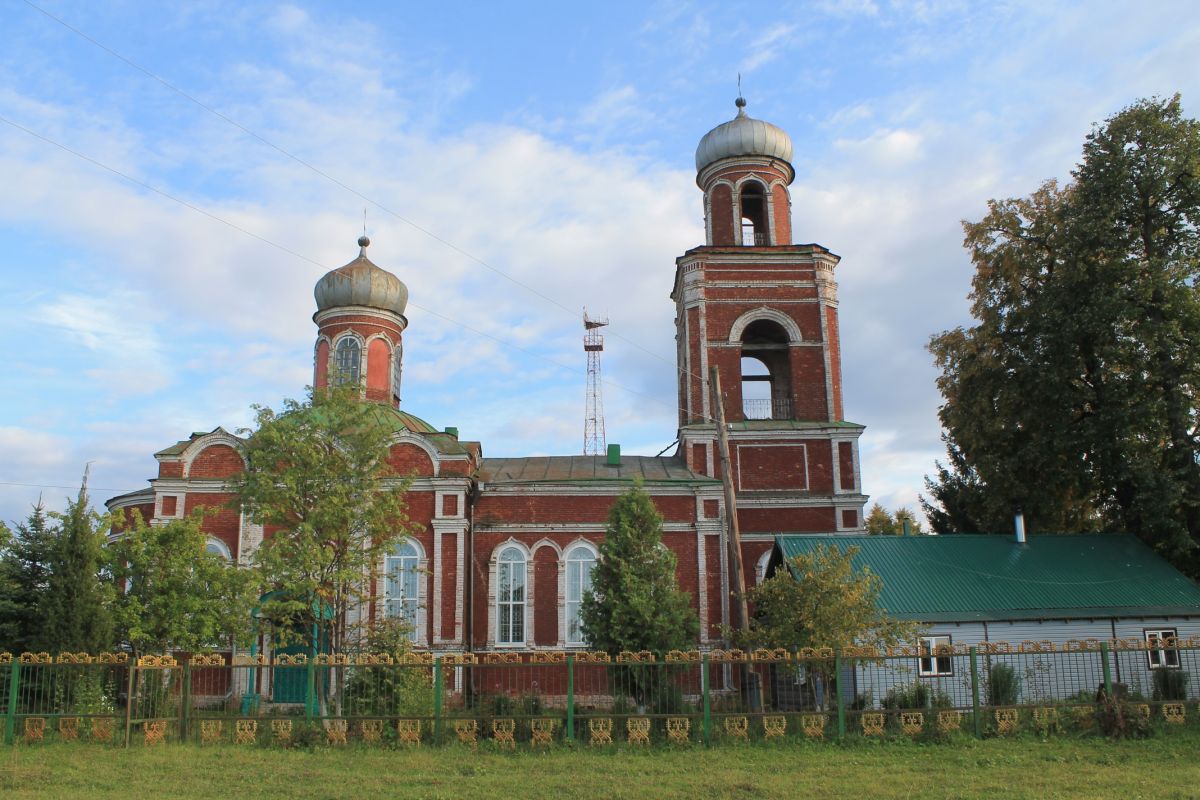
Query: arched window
{"type": "Point", "coordinates": [217, 547]}
{"type": "Point", "coordinates": [397, 370]}
{"type": "Point", "coordinates": [766, 371]}
{"type": "Point", "coordinates": [580, 560]}
{"type": "Point", "coordinates": [510, 597]}
{"type": "Point", "coordinates": [402, 585]}
{"type": "Point", "coordinates": [347, 361]}
{"type": "Point", "coordinates": [754, 215]}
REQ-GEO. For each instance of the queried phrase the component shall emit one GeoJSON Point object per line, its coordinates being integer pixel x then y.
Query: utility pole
{"type": "Point", "coordinates": [741, 615]}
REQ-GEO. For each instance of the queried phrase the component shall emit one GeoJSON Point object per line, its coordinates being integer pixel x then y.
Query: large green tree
{"type": "Point", "coordinates": [319, 480]}
{"type": "Point", "coordinates": [636, 603]}
{"type": "Point", "coordinates": [1073, 397]}
{"type": "Point", "coordinates": [24, 571]}
{"type": "Point", "coordinates": [176, 595]}
{"type": "Point", "coordinates": [75, 608]}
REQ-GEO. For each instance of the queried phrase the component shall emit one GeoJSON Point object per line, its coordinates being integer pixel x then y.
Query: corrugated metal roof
{"type": "Point", "coordinates": [979, 577]}
{"type": "Point", "coordinates": [558, 469]}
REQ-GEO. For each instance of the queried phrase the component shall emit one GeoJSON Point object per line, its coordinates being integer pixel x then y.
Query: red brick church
{"type": "Point", "coordinates": [504, 547]}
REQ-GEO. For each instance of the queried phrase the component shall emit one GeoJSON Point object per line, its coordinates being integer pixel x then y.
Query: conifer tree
{"type": "Point", "coordinates": [24, 569]}
{"type": "Point", "coordinates": [74, 611]}
{"type": "Point", "coordinates": [635, 602]}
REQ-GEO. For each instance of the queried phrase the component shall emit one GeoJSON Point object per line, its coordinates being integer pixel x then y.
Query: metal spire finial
{"type": "Point", "coordinates": [741, 101]}
{"type": "Point", "coordinates": [363, 241]}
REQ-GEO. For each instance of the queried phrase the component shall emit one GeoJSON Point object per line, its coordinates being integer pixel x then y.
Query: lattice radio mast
{"type": "Point", "coordinates": [594, 443]}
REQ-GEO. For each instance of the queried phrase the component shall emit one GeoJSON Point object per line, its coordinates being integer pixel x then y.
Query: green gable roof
{"type": "Point", "coordinates": [961, 578]}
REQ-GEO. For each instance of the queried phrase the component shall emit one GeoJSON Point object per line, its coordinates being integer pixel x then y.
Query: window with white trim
{"type": "Point", "coordinates": [401, 586]}
{"type": "Point", "coordinates": [580, 560]}
{"type": "Point", "coordinates": [217, 547]}
{"type": "Point", "coordinates": [936, 663]}
{"type": "Point", "coordinates": [1160, 648]}
{"type": "Point", "coordinates": [510, 597]}
{"type": "Point", "coordinates": [347, 361]}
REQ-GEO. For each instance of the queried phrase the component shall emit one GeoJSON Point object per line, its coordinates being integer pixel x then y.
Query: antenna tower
{"type": "Point", "coordinates": [594, 443]}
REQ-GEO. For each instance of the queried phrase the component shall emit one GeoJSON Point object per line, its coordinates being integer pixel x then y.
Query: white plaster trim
{"type": "Point", "coordinates": [459, 582]}
{"type": "Point", "coordinates": [439, 504]}
{"type": "Point", "coordinates": [158, 505]}
{"type": "Point", "coordinates": [760, 569]}
{"type": "Point", "coordinates": [202, 443]}
{"type": "Point", "coordinates": [702, 585]}
{"type": "Point", "coordinates": [408, 437]}
{"type": "Point", "coordinates": [493, 617]}
{"type": "Point", "coordinates": [763, 312]}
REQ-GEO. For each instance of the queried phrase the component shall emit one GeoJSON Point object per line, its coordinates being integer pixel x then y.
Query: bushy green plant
{"type": "Point", "coordinates": [916, 695]}
{"type": "Point", "coordinates": [1003, 685]}
{"type": "Point", "coordinates": [1170, 684]}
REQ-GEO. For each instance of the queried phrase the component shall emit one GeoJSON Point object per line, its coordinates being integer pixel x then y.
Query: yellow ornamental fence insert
{"type": "Point", "coordinates": [68, 728]}
{"type": "Point", "coordinates": [813, 725]}
{"type": "Point", "coordinates": [154, 732]}
{"type": "Point", "coordinates": [600, 731]}
{"type": "Point", "coordinates": [408, 731]}
{"type": "Point", "coordinates": [1006, 720]}
{"type": "Point", "coordinates": [1174, 713]}
{"type": "Point", "coordinates": [637, 730]}
{"type": "Point", "coordinates": [912, 722]}
{"type": "Point", "coordinates": [103, 729]}
{"type": "Point", "coordinates": [502, 732]}
{"type": "Point", "coordinates": [245, 731]}
{"type": "Point", "coordinates": [774, 727]}
{"type": "Point", "coordinates": [281, 730]}
{"type": "Point", "coordinates": [679, 730]}
{"type": "Point", "coordinates": [467, 731]}
{"type": "Point", "coordinates": [335, 732]}
{"type": "Point", "coordinates": [35, 729]}
{"type": "Point", "coordinates": [542, 732]}
{"type": "Point", "coordinates": [872, 724]}
{"type": "Point", "coordinates": [949, 720]}
{"type": "Point", "coordinates": [737, 728]}
{"type": "Point", "coordinates": [211, 731]}
{"type": "Point", "coordinates": [371, 730]}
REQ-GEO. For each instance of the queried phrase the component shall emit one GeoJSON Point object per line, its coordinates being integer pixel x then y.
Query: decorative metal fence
{"type": "Point", "coordinates": [542, 698]}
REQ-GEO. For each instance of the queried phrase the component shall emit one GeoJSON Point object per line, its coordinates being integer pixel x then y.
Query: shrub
{"type": "Point", "coordinates": [1003, 685]}
{"type": "Point", "coordinates": [1170, 684]}
{"type": "Point", "coordinates": [916, 695]}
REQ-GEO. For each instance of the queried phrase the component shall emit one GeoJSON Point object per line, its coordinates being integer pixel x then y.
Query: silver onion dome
{"type": "Point", "coordinates": [361, 283]}
{"type": "Point", "coordinates": [743, 136]}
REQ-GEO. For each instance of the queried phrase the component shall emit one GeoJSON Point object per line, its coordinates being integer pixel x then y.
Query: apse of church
{"type": "Point", "coordinates": [502, 548]}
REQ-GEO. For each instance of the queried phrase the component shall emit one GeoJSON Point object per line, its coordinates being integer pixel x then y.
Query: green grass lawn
{"type": "Point", "coordinates": [1165, 766]}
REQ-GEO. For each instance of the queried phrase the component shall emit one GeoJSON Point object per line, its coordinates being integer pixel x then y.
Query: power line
{"type": "Point", "coordinates": [297, 159]}
{"type": "Point", "coordinates": [56, 486]}
{"type": "Point", "coordinates": [301, 256]}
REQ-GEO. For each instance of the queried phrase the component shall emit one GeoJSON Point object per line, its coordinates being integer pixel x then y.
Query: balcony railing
{"type": "Point", "coordinates": [767, 409]}
{"type": "Point", "coordinates": [753, 239]}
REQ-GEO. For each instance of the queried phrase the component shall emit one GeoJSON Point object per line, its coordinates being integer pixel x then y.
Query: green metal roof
{"type": "Point", "coordinates": [588, 469]}
{"type": "Point", "coordinates": [991, 577]}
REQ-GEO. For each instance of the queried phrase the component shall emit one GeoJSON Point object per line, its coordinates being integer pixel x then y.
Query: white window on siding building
{"type": "Point", "coordinates": [1160, 648]}
{"type": "Point", "coordinates": [935, 664]}
{"type": "Point", "coordinates": [510, 597]}
{"type": "Point", "coordinates": [402, 585]}
{"type": "Point", "coordinates": [580, 560]}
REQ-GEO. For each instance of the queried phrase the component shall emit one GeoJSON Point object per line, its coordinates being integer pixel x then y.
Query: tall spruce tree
{"type": "Point", "coordinates": [635, 602]}
{"type": "Point", "coordinates": [75, 609]}
{"type": "Point", "coordinates": [24, 569]}
{"type": "Point", "coordinates": [1074, 397]}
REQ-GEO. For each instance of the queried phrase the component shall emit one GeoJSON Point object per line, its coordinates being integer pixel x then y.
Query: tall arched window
{"type": "Point", "coordinates": [401, 589]}
{"type": "Point", "coordinates": [580, 560]}
{"type": "Point", "coordinates": [510, 597]}
{"type": "Point", "coordinates": [766, 371]}
{"type": "Point", "coordinates": [754, 215]}
{"type": "Point", "coordinates": [347, 361]}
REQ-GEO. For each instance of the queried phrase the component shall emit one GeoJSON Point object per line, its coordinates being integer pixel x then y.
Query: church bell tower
{"type": "Point", "coordinates": [764, 311]}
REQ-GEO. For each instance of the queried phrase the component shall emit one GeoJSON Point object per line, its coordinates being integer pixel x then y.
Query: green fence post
{"type": "Point", "coordinates": [437, 700]}
{"type": "Point", "coordinates": [185, 700]}
{"type": "Point", "coordinates": [310, 689]}
{"type": "Point", "coordinates": [841, 699]}
{"type": "Point", "coordinates": [1108, 689]}
{"type": "Point", "coordinates": [570, 697]}
{"type": "Point", "coordinates": [705, 686]}
{"type": "Point", "coordinates": [130, 687]}
{"type": "Point", "coordinates": [975, 693]}
{"type": "Point", "coordinates": [10, 719]}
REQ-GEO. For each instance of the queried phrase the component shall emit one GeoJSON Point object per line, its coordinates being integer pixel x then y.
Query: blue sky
{"type": "Point", "coordinates": [552, 142]}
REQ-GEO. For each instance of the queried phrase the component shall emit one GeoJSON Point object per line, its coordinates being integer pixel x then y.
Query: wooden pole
{"type": "Point", "coordinates": [741, 615]}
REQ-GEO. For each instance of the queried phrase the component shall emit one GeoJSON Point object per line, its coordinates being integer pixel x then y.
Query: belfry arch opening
{"type": "Point", "coordinates": [753, 203]}
{"type": "Point", "coordinates": [766, 371]}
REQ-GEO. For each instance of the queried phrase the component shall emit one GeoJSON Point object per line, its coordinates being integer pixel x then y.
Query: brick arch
{"type": "Point", "coordinates": [409, 458]}
{"type": "Point", "coordinates": [216, 461]}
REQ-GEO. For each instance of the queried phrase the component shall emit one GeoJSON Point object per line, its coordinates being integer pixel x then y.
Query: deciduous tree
{"type": "Point", "coordinates": [1074, 395]}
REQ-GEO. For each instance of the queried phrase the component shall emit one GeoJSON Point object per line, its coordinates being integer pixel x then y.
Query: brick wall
{"type": "Point", "coordinates": [217, 461]}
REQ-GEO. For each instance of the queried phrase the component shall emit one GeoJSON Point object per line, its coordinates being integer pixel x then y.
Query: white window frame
{"type": "Point", "coordinates": [217, 547]}
{"type": "Point", "coordinates": [931, 667]}
{"type": "Point", "coordinates": [572, 608]}
{"type": "Point", "coordinates": [354, 377]}
{"type": "Point", "coordinates": [410, 607]}
{"type": "Point", "coordinates": [1160, 657]}
{"type": "Point", "coordinates": [517, 568]}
